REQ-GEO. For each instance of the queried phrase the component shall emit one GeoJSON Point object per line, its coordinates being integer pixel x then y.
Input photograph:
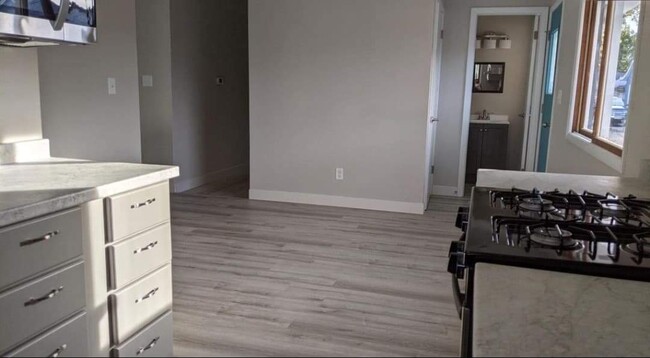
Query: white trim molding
{"type": "Point", "coordinates": [217, 177]}
{"type": "Point", "coordinates": [337, 201]}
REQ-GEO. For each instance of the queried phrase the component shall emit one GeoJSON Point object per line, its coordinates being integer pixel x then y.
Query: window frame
{"type": "Point", "coordinates": [585, 68]}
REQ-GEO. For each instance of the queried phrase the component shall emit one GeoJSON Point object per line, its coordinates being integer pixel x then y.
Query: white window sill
{"type": "Point", "coordinates": [611, 160]}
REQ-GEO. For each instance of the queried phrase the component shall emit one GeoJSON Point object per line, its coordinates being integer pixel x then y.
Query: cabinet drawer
{"type": "Point", "coordinates": [39, 304]}
{"type": "Point", "coordinates": [137, 210]}
{"type": "Point", "coordinates": [137, 304]}
{"type": "Point", "coordinates": [133, 258]}
{"type": "Point", "coordinates": [68, 340]}
{"type": "Point", "coordinates": [37, 245]}
{"type": "Point", "coordinates": [156, 340]}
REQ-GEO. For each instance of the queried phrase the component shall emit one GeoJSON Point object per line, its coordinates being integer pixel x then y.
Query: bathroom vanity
{"type": "Point", "coordinates": [487, 146]}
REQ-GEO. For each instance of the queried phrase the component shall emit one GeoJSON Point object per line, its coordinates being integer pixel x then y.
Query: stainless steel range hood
{"type": "Point", "coordinates": [29, 23]}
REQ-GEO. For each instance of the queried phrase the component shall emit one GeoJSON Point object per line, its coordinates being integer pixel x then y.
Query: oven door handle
{"type": "Point", "coordinates": [459, 297]}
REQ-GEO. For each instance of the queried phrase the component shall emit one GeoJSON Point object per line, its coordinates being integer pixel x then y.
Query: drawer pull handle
{"type": "Point", "coordinates": [148, 295]}
{"type": "Point", "coordinates": [148, 247]}
{"type": "Point", "coordinates": [58, 351]}
{"type": "Point", "coordinates": [147, 347]}
{"type": "Point", "coordinates": [145, 203]}
{"type": "Point", "coordinates": [32, 301]}
{"type": "Point", "coordinates": [45, 237]}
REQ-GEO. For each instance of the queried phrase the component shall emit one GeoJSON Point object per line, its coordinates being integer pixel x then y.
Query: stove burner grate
{"type": "Point", "coordinates": [641, 246]}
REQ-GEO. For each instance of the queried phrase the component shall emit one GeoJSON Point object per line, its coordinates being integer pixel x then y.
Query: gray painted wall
{"type": "Point", "coordinates": [512, 101]}
{"type": "Point", "coordinates": [209, 38]}
{"type": "Point", "coordinates": [20, 106]}
{"type": "Point", "coordinates": [340, 83]}
{"type": "Point", "coordinates": [454, 60]}
{"type": "Point", "coordinates": [79, 117]}
{"type": "Point", "coordinates": [154, 59]}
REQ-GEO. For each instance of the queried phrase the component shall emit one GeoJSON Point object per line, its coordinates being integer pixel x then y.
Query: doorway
{"type": "Point", "coordinates": [434, 94]}
{"type": "Point", "coordinates": [512, 99]}
{"type": "Point", "coordinates": [549, 85]}
{"type": "Point", "coordinates": [499, 102]}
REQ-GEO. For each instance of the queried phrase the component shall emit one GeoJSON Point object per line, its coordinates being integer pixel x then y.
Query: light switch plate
{"type": "Point", "coordinates": [112, 86]}
{"type": "Point", "coordinates": [339, 173]}
{"type": "Point", "coordinates": [147, 81]}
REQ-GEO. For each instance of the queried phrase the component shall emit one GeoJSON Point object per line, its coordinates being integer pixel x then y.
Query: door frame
{"type": "Point", "coordinates": [553, 7]}
{"type": "Point", "coordinates": [539, 54]}
{"type": "Point", "coordinates": [434, 92]}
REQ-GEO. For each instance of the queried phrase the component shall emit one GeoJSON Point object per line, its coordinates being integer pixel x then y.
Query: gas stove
{"type": "Point", "coordinates": [588, 233]}
{"type": "Point", "coordinates": [584, 233]}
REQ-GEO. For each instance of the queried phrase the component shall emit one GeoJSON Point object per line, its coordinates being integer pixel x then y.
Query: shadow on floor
{"type": "Point", "coordinates": [233, 190]}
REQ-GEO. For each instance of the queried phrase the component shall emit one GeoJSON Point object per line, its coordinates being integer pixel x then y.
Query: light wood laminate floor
{"type": "Point", "coordinates": [254, 278]}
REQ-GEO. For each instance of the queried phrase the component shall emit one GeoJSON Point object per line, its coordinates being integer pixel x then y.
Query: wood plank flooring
{"type": "Point", "coordinates": [254, 278]}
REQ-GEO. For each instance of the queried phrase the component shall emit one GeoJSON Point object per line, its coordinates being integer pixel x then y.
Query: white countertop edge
{"type": "Point", "coordinates": [549, 181]}
{"type": "Point", "coordinates": [66, 201]}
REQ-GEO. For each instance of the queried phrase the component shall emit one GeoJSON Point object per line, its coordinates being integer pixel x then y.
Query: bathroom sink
{"type": "Point", "coordinates": [494, 119]}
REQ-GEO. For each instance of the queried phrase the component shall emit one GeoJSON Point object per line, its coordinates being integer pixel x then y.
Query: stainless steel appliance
{"type": "Point", "coordinates": [30, 23]}
{"type": "Point", "coordinates": [580, 233]}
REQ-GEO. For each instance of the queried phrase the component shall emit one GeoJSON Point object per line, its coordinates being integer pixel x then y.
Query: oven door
{"type": "Point", "coordinates": [456, 267]}
{"type": "Point", "coordinates": [47, 21]}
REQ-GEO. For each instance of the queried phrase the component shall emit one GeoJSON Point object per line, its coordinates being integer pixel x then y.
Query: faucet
{"type": "Point", "coordinates": [484, 116]}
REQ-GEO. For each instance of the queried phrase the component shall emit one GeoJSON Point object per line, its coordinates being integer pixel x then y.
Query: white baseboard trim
{"type": "Point", "coordinates": [444, 190]}
{"type": "Point", "coordinates": [219, 177]}
{"type": "Point", "coordinates": [338, 201]}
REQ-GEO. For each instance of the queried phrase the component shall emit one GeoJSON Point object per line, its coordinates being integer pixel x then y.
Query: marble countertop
{"type": "Point", "coordinates": [523, 312]}
{"type": "Point", "coordinates": [548, 181]}
{"type": "Point", "coordinates": [32, 189]}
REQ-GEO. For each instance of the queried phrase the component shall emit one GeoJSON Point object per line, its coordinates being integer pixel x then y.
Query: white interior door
{"type": "Point", "coordinates": [434, 93]}
{"type": "Point", "coordinates": [534, 97]}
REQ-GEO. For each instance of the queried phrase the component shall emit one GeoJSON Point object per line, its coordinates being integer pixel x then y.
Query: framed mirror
{"type": "Point", "coordinates": [488, 77]}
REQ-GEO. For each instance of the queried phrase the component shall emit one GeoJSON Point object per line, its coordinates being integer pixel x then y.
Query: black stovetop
{"type": "Point", "coordinates": [586, 233]}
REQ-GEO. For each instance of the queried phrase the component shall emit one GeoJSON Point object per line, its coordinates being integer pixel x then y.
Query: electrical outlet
{"type": "Point", "coordinates": [339, 173]}
{"type": "Point", "coordinates": [112, 86]}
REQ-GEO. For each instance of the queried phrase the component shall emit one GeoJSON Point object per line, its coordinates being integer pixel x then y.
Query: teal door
{"type": "Point", "coordinates": [549, 87]}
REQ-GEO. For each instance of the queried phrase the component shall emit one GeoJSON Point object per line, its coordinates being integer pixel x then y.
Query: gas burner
{"type": "Point", "coordinates": [540, 206]}
{"type": "Point", "coordinates": [554, 237]}
{"type": "Point", "coordinates": [536, 204]}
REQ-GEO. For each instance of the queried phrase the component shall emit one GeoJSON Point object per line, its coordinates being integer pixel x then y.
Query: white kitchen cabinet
{"type": "Point", "coordinates": [90, 280]}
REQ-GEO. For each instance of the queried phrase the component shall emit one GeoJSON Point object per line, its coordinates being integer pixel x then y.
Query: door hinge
{"type": "Point", "coordinates": [433, 169]}
{"type": "Point", "coordinates": [442, 34]}
{"type": "Point", "coordinates": [535, 35]}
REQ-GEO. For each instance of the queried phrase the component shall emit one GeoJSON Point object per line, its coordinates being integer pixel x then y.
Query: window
{"type": "Point", "coordinates": [608, 48]}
